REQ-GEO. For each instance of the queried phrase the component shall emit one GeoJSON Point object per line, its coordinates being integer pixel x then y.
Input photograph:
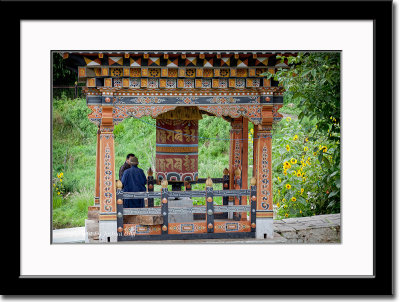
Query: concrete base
{"type": "Point", "coordinates": [264, 228]}
{"type": "Point", "coordinates": [180, 203]}
{"type": "Point", "coordinates": [108, 231]}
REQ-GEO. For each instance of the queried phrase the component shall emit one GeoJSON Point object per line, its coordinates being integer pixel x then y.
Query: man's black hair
{"type": "Point", "coordinates": [129, 155]}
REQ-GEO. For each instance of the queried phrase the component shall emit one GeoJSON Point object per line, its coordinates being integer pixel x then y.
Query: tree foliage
{"type": "Point", "coordinates": [61, 74]}
{"type": "Point", "coordinates": [314, 79]}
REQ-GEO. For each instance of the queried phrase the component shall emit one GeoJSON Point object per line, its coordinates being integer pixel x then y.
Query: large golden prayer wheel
{"type": "Point", "coordinates": [177, 144]}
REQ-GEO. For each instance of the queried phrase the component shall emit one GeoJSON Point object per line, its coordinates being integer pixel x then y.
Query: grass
{"type": "Point", "coordinates": [73, 210]}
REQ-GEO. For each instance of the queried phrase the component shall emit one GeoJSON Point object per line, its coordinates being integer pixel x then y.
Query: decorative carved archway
{"type": "Point", "coordinates": [225, 84]}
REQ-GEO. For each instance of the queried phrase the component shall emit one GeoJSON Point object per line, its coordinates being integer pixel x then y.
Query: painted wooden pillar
{"type": "Point", "coordinates": [97, 179]}
{"type": "Point", "coordinates": [239, 156]}
{"type": "Point", "coordinates": [235, 150]}
{"type": "Point", "coordinates": [108, 206]}
{"type": "Point", "coordinates": [264, 210]}
{"type": "Point", "coordinates": [255, 141]}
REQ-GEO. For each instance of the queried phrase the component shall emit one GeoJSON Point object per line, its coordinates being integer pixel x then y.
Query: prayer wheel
{"type": "Point", "coordinates": [177, 144]}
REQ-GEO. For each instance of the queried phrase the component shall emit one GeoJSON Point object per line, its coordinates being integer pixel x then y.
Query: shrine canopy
{"type": "Point", "coordinates": [227, 84]}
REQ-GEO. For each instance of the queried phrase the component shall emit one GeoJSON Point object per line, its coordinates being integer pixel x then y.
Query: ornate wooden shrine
{"type": "Point", "coordinates": [159, 84]}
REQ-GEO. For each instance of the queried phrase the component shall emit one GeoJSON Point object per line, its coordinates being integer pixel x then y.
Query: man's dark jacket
{"type": "Point", "coordinates": [124, 167]}
{"type": "Point", "coordinates": [134, 180]}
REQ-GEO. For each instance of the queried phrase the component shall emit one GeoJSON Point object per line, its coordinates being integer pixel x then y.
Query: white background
{"type": "Point", "coordinates": [40, 227]}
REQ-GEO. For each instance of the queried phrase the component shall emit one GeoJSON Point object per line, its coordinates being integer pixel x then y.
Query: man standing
{"type": "Point", "coordinates": [134, 180]}
{"type": "Point", "coordinates": [126, 165]}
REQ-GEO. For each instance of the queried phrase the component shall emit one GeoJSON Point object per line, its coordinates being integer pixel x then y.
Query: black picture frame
{"type": "Point", "coordinates": [380, 284]}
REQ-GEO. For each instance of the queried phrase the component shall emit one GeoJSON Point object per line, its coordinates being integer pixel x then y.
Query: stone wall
{"type": "Point", "coordinates": [314, 229]}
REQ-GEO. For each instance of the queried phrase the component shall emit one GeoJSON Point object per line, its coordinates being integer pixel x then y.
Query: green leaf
{"type": "Point", "coordinates": [333, 193]}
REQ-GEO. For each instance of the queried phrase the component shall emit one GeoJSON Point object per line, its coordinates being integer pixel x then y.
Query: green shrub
{"type": "Point", "coordinates": [303, 180]}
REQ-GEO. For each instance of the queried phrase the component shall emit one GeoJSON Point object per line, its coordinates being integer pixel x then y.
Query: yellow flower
{"type": "Point", "coordinates": [288, 148]}
{"type": "Point", "coordinates": [293, 160]}
{"type": "Point", "coordinates": [278, 205]}
{"type": "Point", "coordinates": [284, 206]}
{"type": "Point", "coordinates": [301, 191]}
{"type": "Point", "coordinates": [58, 193]}
{"type": "Point", "coordinates": [286, 165]}
{"type": "Point", "coordinates": [284, 172]}
{"type": "Point", "coordinates": [288, 186]}
{"type": "Point", "coordinates": [298, 173]}
{"type": "Point", "coordinates": [279, 179]}
{"type": "Point", "coordinates": [306, 139]}
{"type": "Point", "coordinates": [60, 179]}
{"type": "Point", "coordinates": [315, 153]}
{"type": "Point", "coordinates": [61, 174]}
{"type": "Point", "coordinates": [294, 172]}
{"type": "Point", "coordinates": [283, 200]}
{"type": "Point", "coordinates": [301, 212]}
{"type": "Point", "coordinates": [324, 149]}
{"type": "Point", "coordinates": [295, 138]}
{"type": "Point", "coordinates": [305, 148]}
{"type": "Point", "coordinates": [288, 119]}
{"type": "Point", "coordinates": [286, 215]}
{"type": "Point", "coordinates": [304, 179]}
{"type": "Point", "coordinates": [293, 198]}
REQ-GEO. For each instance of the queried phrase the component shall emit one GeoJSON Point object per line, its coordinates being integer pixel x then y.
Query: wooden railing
{"type": "Point", "coordinates": [212, 226]}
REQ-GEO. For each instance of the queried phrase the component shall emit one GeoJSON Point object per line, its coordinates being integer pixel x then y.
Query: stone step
{"type": "Point", "coordinates": [91, 230]}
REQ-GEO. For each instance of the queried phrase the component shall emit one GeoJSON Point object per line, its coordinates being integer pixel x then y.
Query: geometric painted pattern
{"type": "Point", "coordinates": [240, 83]}
{"type": "Point", "coordinates": [171, 83]}
{"type": "Point", "coordinates": [134, 83]}
{"type": "Point", "coordinates": [152, 83]}
{"type": "Point", "coordinates": [117, 82]}
{"type": "Point", "coordinates": [223, 83]}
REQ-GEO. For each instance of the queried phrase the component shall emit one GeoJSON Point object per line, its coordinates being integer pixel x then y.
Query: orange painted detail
{"type": "Point", "coordinates": [104, 71]}
{"type": "Point", "coordinates": [187, 228]}
{"type": "Point", "coordinates": [234, 226]}
{"type": "Point", "coordinates": [264, 214]}
{"type": "Point", "coordinates": [82, 72]}
{"type": "Point", "coordinates": [91, 82]}
{"type": "Point", "coordinates": [137, 230]}
{"type": "Point", "coordinates": [108, 82]}
{"type": "Point", "coordinates": [107, 217]}
{"type": "Point", "coordinates": [125, 82]}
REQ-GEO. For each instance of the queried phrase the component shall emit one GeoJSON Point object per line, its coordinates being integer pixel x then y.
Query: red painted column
{"type": "Point", "coordinates": [238, 157]}
{"type": "Point", "coordinates": [97, 179]}
{"type": "Point", "coordinates": [108, 206]}
{"type": "Point", "coordinates": [264, 210]}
